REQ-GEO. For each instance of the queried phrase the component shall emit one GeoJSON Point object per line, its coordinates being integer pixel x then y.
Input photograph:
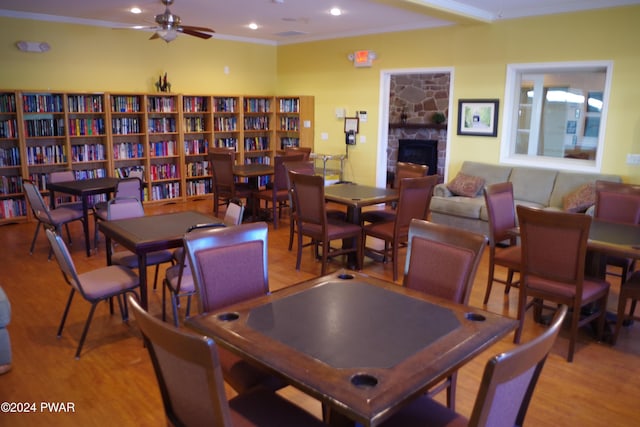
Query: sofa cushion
{"type": "Point", "coordinates": [466, 185]}
{"type": "Point", "coordinates": [492, 174]}
{"type": "Point", "coordinates": [466, 207]}
{"type": "Point", "coordinates": [580, 199]}
{"type": "Point", "coordinates": [533, 184]}
{"type": "Point", "coordinates": [567, 182]}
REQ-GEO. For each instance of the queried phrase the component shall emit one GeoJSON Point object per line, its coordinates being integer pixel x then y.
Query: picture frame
{"type": "Point", "coordinates": [351, 124]}
{"type": "Point", "coordinates": [478, 117]}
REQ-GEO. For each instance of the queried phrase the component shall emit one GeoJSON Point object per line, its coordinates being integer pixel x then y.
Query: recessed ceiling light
{"type": "Point", "coordinates": [335, 11]}
{"type": "Point", "coordinates": [253, 26]}
{"type": "Point", "coordinates": [135, 10]}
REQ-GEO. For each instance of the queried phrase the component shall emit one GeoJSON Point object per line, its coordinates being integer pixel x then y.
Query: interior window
{"type": "Point", "coordinates": [555, 114]}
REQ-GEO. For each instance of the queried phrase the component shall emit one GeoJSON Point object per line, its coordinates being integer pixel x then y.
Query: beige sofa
{"type": "Point", "coordinates": [537, 187]}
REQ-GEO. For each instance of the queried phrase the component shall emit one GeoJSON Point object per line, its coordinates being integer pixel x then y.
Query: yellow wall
{"type": "Point", "coordinates": [100, 59]}
{"type": "Point", "coordinates": [87, 58]}
{"type": "Point", "coordinates": [479, 55]}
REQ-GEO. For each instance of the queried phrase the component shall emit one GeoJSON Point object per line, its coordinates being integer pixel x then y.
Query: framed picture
{"type": "Point", "coordinates": [351, 124]}
{"type": "Point", "coordinates": [478, 117]}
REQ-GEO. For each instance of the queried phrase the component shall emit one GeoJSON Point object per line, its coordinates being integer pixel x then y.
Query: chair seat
{"type": "Point", "coordinates": [110, 280]}
{"type": "Point", "coordinates": [508, 257]}
{"type": "Point", "coordinates": [61, 215]}
{"type": "Point", "coordinates": [592, 288]}
{"type": "Point", "coordinates": [242, 375]}
{"type": "Point", "coordinates": [425, 412]}
{"type": "Point", "coordinates": [261, 407]}
{"type": "Point", "coordinates": [335, 229]}
{"type": "Point", "coordinates": [130, 259]}
{"type": "Point", "coordinates": [186, 284]}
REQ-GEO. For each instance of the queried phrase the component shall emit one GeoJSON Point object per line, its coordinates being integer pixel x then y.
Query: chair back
{"type": "Point", "coordinates": [188, 371]}
{"type": "Point", "coordinates": [304, 151]}
{"type": "Point", "coordinates": [222, 162]}
{"type": "Point", "coordinates": [136, 172]}
{"type": "Point", "coordinates": [38, 206]}
{"type": "Point", "coordinates": [442, 260]}
{"type": "Point", "coordinates": [413, 202]}
{"type": "Point", "coordinates": [229, 264]}
{"type": "Point", "coordinates": [124, 208]}
{"type": "Point", "coordinates": [618, 202]}
{"type": "Point", "coordinates": [308, 196]}
{"type": "Point", "coordinates": [65, 261]}
{"type": "Point", "coordinates": [510, 378]}
{"type": "Point", "coordinates": [554, 245]}
{"type": "Point", "coordinates": [129, 188]}
{"type": "Point", "coordinates": [233, 214]}
{"type": "Point", "coordinates": [280, 181]}
{"type": "Point", "coordinates": [501, 211]}
{"type": "Point", "coordinates": [408, 170]}
{"type": "Point", "coordinates": [62, 176]}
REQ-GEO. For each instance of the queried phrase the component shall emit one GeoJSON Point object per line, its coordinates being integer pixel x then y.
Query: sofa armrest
{"type": "Point", "coordinates": [441, 190]}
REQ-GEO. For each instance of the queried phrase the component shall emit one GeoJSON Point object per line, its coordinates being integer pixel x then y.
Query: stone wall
{"type": "Point", "coordinates": [413, 99]}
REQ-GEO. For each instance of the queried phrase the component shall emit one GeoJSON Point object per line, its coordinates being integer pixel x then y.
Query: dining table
{"type": "Point", "coordinates": [150, 233]}
{"type": "Point", "coordinates": [362, 346]}
{"type": "Point", "coordinates": [610, 238]}
{"type": "Point", "coordinates": [84, 189]}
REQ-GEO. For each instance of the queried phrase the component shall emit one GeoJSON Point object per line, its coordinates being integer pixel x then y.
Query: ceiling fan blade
{"type": "Point", "coordinates": [154, 36]}
{"type": "Point", "coordinates": [194, 33]}
{"type": "Point", "coordinates": [203, 29]}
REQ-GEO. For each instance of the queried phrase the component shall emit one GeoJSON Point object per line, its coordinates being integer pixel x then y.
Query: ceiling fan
{"type": "Point", "coordinates": [169, 26]}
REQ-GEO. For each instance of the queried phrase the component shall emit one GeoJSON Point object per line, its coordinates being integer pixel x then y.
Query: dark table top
{"type": "Point", "coordinates": [615, 238]}
{"type": "Point", "coordinates": [359, 344]}
{"type": "Point", "coordinates": [154, 232]}
{"type": "Point", "coordinates": [253, 170]}
{"type": "Point", "coordinates": [85, 186]}
{"type": "Point", "coordinates": [357, 195]}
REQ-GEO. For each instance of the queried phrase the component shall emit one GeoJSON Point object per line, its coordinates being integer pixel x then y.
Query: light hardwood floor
{"type": "Point", "coordinates": [113, 383]}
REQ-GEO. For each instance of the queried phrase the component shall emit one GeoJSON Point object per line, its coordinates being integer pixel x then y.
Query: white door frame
{"type": "Point", "coordinates": [383, 113]}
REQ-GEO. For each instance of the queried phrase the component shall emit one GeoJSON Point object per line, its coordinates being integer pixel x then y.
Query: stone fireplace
{"type": "Point", "coordinates": [419, 151]}
{"type": "Point", "coordinates": [413, 99]}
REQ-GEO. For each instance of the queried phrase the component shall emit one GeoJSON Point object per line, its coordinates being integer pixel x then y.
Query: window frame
{"type": "Point", "coordinates": [511, 107]}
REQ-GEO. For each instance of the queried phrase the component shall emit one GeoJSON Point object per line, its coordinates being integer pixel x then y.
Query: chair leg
{"type": "Point", "coordinates": [451, 391]}
{"type": "Point", "coordinates": [174, 306]}
{"type": "Point", "coordinates": [35, 236]}
{"type": "Point", "coordinates": [66, 311]}
{"type": "Point", "coordinates": [155, 277]}
{"type": "Point", "coordinates": [187, 312]}
{"type": "Point", "coordinates": [68, 232]}
{"type": "Point", "coordinates": [394, 256]}
{"type": "Point", "coordinates": [509, 282]}
{"type": "Point", "coordinates": [325, 253]}
{"type": "Point", "coordinates": [489, 282]}
{"type": "Point", "coordinates": [291, 232]}
{"type": "Point", "coordinates": [575, 319]}
{"type": "Point", "coordinates": [85, 330]}
{"type": "Point", "coordinates": [164, 300]}
{"type": "Point", "coordinates": [299, 257]}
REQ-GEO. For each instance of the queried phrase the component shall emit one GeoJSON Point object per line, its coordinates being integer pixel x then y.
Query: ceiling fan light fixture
{"type": "Point", "coordinates": [167, 35]}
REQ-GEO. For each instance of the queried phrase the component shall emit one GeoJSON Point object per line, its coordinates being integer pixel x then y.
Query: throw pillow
{"type": "Point", "coordinates": [466, 185]}
{"type": "Point", "coordinates": [580, 199]}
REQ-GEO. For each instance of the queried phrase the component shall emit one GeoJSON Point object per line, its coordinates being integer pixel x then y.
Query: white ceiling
{"type": "Point", "coordinates": [294, 21]}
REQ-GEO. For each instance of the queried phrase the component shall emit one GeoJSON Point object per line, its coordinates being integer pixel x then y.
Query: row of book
{"type": "Point", "coordinates": [48, 154]}
{"type": "Point", "coordinates": [194, 147]}
{"type": "Point", "coordinates": [161, 104]}
{"type": "Point", "coordinates": [197, 169]}
{"type": "Point", "coordinates": [226, 143]}
{"type": "Point", "coordinates": [85, 103]}
{"type": "Point", "coordinates": [194, 124]}
{"type": "Point", "coordinates": [199, 187]}
{"type": "Point", "coordinates": [289, 123]}
{"type": "Point", "coordinates": [256, 123]}
{"type": "Point", "coordinates": [287, 142]}
{"type": "Point", "coordinates": [10, 156]}
{"type": "Point", "coordinates": [225, 124]}
{"type": "Point", "coordinates": [128, 150]}
{"type": "Point", "coordinates": [289, 105]}
{"type": "Point", "coordinates": [125, 172]}
{"type": "Point", "coordinates": [164, 171]}
{"type": "Point", "coordinates": [125, 125]}
{"type": "Point", "coordinates": [163, 148]}
{"type": "Point", "coordinates": [44, 127]}
{"type": "Point", "coordinates": [256, 143]}
{"type": "Point", "coordinates": [8, 128]}
{"type": "Point", "coordinates": [165, 190]}
{"type": "Point", "coordinates": [86, 127]}
{"type": "Point", "coordinates": [10, 184]}
{"type": "Point", "coordinates": [42, 103]}
{"type": "Point", "coordinates": [162, 125]}
{"type": "Point", "coordinates": [125, 104]}
{"type": "Point", "coordinates": [88, 153]}
{"type": "Point", "coordinates": [7, 103]}
{"type": "Point", "coordinates": [257, 105]}
{"type": "Point", "coordinates": [226, 105]}
{"type": "Point", "coordinates": [194, 104]}
{"type": "Point", "coordinates": [12, 208]}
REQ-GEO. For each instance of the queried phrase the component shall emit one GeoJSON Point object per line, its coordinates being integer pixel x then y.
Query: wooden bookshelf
{"type": "Point", "coordinates": [165, 135]}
